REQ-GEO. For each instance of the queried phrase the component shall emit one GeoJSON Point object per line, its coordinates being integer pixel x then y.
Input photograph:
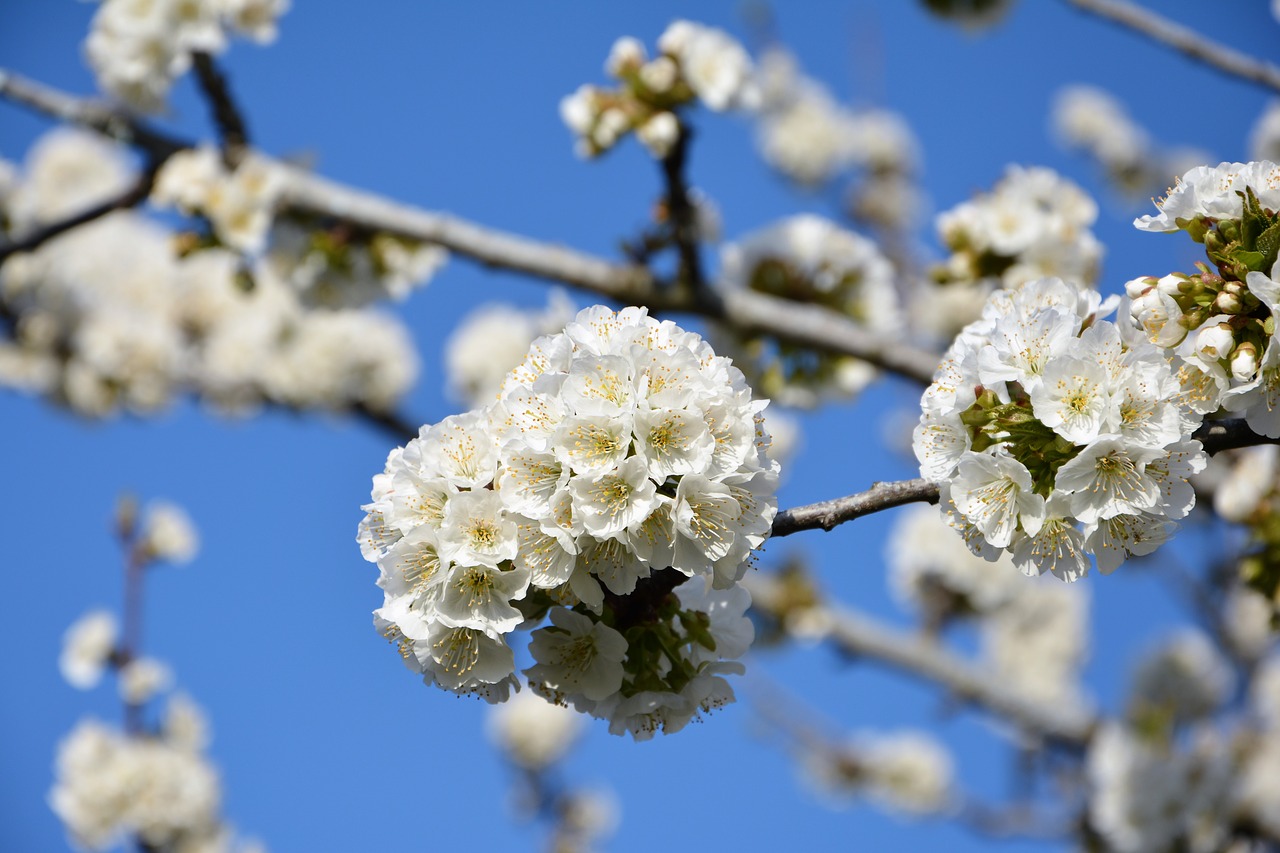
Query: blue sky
{"type": "Point", "coordinates": [323, 740]}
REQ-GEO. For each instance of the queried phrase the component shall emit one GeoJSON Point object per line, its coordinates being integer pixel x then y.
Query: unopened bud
{"type": "Point", "coordinates": [1136, 287]}
{"type": "Point", "coordinates": [659, 76]}
{"type": "Point", "coordinates": [626, 56]}
{"type": "Point", "coordinates": [1244, 361]}
{"type": "Point", "coordinates": [1228, 303]}
{"type": "Point", "coordinates": [1215, 342]}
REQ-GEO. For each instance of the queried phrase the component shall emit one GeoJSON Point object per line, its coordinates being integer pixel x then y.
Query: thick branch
{"type": "Point", "coordinates": [226, 114]}
{"type": "Point", "coordinates": [806, 325]}
{"type": "Point", "coordinates": [1184, 39]}
{"type": "Point", "coordinates": [858, 635]}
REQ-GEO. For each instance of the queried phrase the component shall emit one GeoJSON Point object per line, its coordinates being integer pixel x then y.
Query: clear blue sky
{"type": "Point", "coordinates": [324, 741]}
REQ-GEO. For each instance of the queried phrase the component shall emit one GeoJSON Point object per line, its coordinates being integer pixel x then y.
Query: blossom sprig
{"type": "Point", "coordinates": [694, 63]}
{"type": "Point", "coordinates": [1056, 435]}
{"type": "Point", "coordinates": [138, 50]}
{"type": "Point", "coordinates": [618, 487]}
{"type": "Point", "coordinates": [807, 258]}
{"type": "Point", "coordinates": [1221, 320]}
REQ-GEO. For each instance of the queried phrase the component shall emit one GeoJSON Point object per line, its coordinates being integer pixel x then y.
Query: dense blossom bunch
{"type": "Point", "coordinates": [1044, 418]}
{"type": "Point", "coordinates": [1221, 321]}
{"type": "Point", "coordinates": [810, 259]}
{"type": "Point", "coordinates": [114, 315]}
{"type": "Point", "coordinates": [491, 340]}
{"type": "Point", "coordinates": [137, 49]}
{"type": "Point", "coordinates": [694, 62]}
{"type": "Point", "coordinates": [622, 462]}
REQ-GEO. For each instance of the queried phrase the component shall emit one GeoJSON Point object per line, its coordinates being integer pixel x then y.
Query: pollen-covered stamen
{"type": "Point", "coordinates": [458, 651]}
{"type": "Point", "coordinates": [396, 637]}
{"type": "Point", "coordinates": [476, 584]}
{"type": "Point", "coordinates": [419, 567]}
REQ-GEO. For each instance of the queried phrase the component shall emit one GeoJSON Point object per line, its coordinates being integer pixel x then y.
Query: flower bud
{"type": "Point", "coordinates": [659, 133]}
{"type": "Point", "coordinates": [1215, 342]}
{"type": "Point", "coordinates": [1135, 288]}
{"type": "Point", "coordinates": [1228, 303]}
{"type": "Point", "coordinates": [626, 56]}
{"type": "Point", "coordinates": [659, 76]}
{"type": "Point", "coordinates": [1244, 361]}
{"type": "Point", "coordinates": [1174, 284]}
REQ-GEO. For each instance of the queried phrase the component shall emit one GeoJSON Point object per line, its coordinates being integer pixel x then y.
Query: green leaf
{"type": "Point", "coordinates": [1269, 245]}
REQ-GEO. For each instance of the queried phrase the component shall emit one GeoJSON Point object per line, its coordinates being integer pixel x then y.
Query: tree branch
{"type": "Point", "coordinates": [226, 114]}
{"type": "Point", "coordinates": [829, 514]}
{"type": "Point", "coordinates": [860, 636]}
{"type": "Point", "coordinates": [806, 325]}
{"type": "Point", "coordinates": [1216, 436]}
{"type": "Point", "coordinates": [680, 210]}
{"type": "Point", "coordinates": [1183, 39]}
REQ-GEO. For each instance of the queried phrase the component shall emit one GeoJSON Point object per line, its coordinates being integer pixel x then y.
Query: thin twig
{"type": "Point", "coordinates": [1215, 436]}
{"type": "Point", "coordinates": [1183, 39]}
{"type": "Point", "coordinates": [828, 514]}
{"type": "Point", "coordinates": [132, 196]}
{"type": "Point", "coordinates": [227, 116]}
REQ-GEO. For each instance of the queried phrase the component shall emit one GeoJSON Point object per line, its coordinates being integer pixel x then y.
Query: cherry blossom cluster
{"type": "Point", "coordinates": [806, 258]}
{"type": "Point", "coordinates": [122, 313]}
{"type": "Point", "coordinates": [1056, 435]}
{"type": "Point", "coordinates": [138, 49]}
{"type": "Point", "coordinates": [694, 63]}
{"type": "Point", "coordinates": [618, 486]}
{"type": "Point", "coordinates": [1091, 120]}
{"type": "Point", "coordinates": [1221, 321]}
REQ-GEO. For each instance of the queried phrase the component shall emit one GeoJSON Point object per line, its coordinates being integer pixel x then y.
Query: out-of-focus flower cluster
{"type": "Point", "coordinates": [1169, 776]}
{"type": "Point", "coordinates": [809, 259]}
{"type": "Point", "coordinates": [535, 734]}
{"type": "Point", "coordinates": [694, 63]}
{"type": "Point", "coordinates": [1033, 224]}
{"type": "Point", "coordinates": [907, 772]}
{"type": "Point", "coordinates": [617, 486]}
{"type": "Point", "coordinates": [138, 49]}
{"type": "Point", "coordinates": [122, 313]}
{"type": "Point", "coordinates": [1044, 419]}
{"type": "Point", "coordinates": [1248, 493]}
{"type": "Point", "coordinates": [1034, 636]}
{"type": "Point", "coordinates": [812, 139]}
{"type": "Point", "coordinates": [1091, 120]}
{"type": "Point", "coordinates": [150, 784]}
